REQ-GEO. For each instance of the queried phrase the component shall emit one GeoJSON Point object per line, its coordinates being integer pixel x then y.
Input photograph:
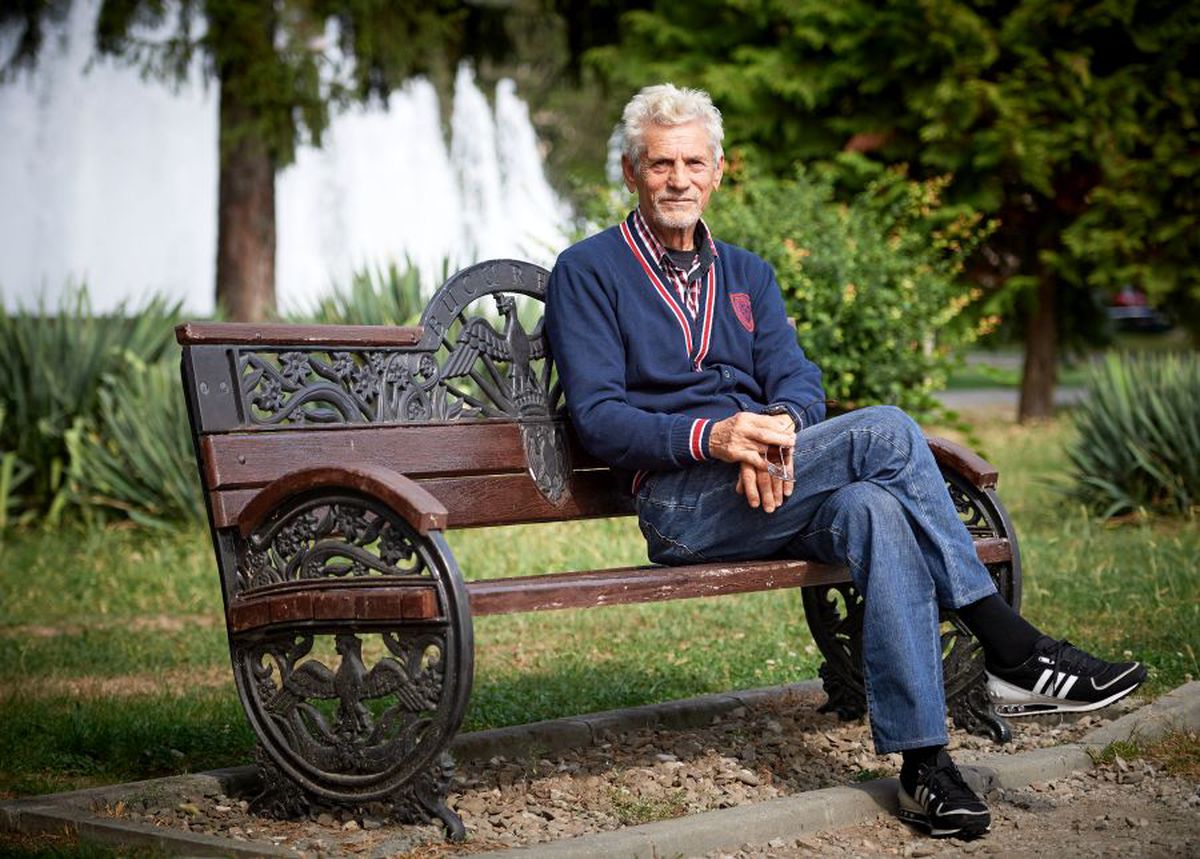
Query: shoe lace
{"type": "Point", "coordinates": [1070, 659]}
{"type": "Point", "coordinates": [951, 785]}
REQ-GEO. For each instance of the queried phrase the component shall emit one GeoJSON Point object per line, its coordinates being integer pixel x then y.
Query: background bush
{"type": "Point", "coordinates": [135, 455]}
{"type": "Point", "coordinates": [874, 284]}
{"type": "Point", "coordinates": [1138, 443]}
{"type": "Point", "coordinates": [374, 296]}
{"type": "Point", "coordinates": [52, 364]}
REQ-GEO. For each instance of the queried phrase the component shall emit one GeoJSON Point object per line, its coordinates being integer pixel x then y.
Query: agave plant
{"type": "Point", "coordinates": [1138, 436]}
{"type": "Point", "coordinates": [374, 296]}
{"type": "Point", "coordinates": [52, 363]}
{"type": "Point", "coordinates": [135, 455]}
{"type": "Point", "coordinates": [13, 472]}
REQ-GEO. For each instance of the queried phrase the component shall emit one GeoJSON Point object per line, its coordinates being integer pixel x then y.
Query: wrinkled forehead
{"type": "Point", "coordinates": [687, 141]}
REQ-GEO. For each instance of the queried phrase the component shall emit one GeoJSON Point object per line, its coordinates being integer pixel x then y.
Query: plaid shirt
{"type": "Point", "coordinates": [686, 281]}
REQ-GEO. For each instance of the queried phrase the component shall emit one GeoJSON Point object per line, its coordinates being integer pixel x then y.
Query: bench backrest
{"type": "Point", "coordinates": [466, 404]}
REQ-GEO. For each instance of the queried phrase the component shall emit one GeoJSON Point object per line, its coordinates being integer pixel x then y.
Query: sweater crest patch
{"type": "Point", "coordinates": [742, 309]}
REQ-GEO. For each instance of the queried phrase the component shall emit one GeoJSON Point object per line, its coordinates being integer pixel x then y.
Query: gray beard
{"type": "Point", "coordinates": [681, 221]}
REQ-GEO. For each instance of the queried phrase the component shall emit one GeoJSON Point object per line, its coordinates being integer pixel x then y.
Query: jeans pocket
{"type": "Point", "coordinates": [667, 538]}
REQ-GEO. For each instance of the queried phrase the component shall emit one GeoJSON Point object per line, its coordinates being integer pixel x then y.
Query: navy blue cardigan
{"type": "Point", "coordinates": [644, 382]}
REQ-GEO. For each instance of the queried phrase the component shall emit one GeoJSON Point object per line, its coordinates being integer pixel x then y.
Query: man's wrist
{"type": "Point", "coordinates": [786, 409]}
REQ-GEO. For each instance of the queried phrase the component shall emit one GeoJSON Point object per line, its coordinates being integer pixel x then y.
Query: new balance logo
{"type": "Point", "coordinates": [1054, 684]}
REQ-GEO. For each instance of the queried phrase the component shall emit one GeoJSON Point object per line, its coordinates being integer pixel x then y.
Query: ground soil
{"type": "Point", "coordinates": [750, 755]}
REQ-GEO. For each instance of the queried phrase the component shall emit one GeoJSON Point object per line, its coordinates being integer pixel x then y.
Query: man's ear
{"type": "Point", "coordinates": [629, 173]}
{"type": "Point", "coordinates": [720, 171]}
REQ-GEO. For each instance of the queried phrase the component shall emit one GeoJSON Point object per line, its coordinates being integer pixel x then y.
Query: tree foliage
{"type": "Point", "coordinates": [1075, 123]}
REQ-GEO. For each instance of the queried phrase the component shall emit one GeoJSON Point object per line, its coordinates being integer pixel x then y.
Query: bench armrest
{"type": "Point", "coordinates": [420, 509]}
{"type": "Point", "coordinates": [964, 461]}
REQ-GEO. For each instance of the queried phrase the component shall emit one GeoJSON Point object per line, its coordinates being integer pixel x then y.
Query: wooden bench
{"type": "Point", "coordinates": [334, 459]}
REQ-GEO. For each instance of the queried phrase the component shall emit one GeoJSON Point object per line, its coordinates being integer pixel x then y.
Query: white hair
{"type": "Point", "coordinates": [667, 104]}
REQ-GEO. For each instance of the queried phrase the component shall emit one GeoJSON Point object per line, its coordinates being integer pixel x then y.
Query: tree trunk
{"type": "Point", "coordinates": [1041, 355]}
{"type": "Point", "coordinates": [245, 216]}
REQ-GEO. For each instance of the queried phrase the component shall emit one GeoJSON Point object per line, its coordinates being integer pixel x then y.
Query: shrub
{"type": "Point", "coordinates": [51, 368]}
{"type": "Point", "coordinates": [378, 296]}
{"type": "Point", "coordinates": [1138, 444]}
{"type": "Point", "coordinates": [873, 284]}
{"type": "Point", "coordinates": [13, 473]}
{"type": "Point", "coordinates": [135, 455]}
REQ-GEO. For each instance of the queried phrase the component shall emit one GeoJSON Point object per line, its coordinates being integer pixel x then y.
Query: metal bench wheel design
{"type": "Point", "coordinates": [355, 683]}
{"type": "Point", "coordinates": [334, 458]}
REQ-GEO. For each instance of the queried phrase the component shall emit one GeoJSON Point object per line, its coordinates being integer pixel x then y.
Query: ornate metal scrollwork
{"type": "Point", "coordinates": [478, 358]}
{"type": "Point", "coordinates": [328, 537]}
{"type": "Point", "coordinates": [834, 614]}
{"type": "Point", "coordinates": [353, 710]}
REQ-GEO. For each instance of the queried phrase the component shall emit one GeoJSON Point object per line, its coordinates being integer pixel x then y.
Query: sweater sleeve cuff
{"type": "Point", "coordinates": [794, 413]}
{"type": "Point", "coordinates": [689, 440]}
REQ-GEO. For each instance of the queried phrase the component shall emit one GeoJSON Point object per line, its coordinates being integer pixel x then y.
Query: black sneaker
{"type": "Point", "coordinates": [942, 802]}
{"type": "Point", "coordinates": [1061, 678]}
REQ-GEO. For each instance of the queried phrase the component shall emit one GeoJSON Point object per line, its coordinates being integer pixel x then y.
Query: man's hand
{"type": "Point", "coordinates": [746, 438]}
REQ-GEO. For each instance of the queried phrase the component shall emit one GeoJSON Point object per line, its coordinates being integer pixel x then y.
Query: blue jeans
{"type": "Point", "coordinates": [869, 495]}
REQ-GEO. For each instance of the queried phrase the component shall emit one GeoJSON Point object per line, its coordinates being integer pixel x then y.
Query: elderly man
{"type": "Point", "coordinates": [681, 370]}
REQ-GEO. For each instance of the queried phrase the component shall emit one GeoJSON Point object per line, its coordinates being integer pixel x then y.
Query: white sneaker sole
{"type": "Point", "coordinates": [1010, 700]}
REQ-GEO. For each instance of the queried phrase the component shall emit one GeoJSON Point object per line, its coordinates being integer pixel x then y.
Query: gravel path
{"type": "Point", "coordinates": [781, 747]}
{"type": "Point", "coordinates": [1114, 810]}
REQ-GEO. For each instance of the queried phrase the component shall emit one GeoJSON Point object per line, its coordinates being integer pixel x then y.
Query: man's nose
{"type": "Point", "coordinates": [678, 177]}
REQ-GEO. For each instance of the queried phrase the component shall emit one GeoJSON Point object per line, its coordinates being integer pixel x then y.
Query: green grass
{"type": "Point", "coordinates": [114, 665]}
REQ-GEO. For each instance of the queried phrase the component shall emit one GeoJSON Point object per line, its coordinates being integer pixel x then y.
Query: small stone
{"type": "Point", "coordinates": [325, 819]}
{"type": "Point", "coordinates": [223, 809]}
{"type": "Point", "coordinates": [664, 758]}
{"type": "Point", "coordinates": [919, 852]}
{"type": "Point", "coordinates": [189, 808]}
{"type": "Point", "coordinates": [350, 826]}
{"type": "Point", "coordinates": [749, 778]}
{"type": "Point", "coordinates": [774, 727]}
{"type": "Point", "coordinates": [372, 823]}
{"type": "Point", "coordinates": [777, 844]}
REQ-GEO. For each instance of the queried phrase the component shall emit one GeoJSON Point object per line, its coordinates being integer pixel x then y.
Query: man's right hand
{"type": "Point", "coordinates": [744, 438]}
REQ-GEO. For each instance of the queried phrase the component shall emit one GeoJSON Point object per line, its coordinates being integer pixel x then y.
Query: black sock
{"type": "Point", "coordinates": [1007, 638]}
{"type": "Point", "coordinates": [914, 759]}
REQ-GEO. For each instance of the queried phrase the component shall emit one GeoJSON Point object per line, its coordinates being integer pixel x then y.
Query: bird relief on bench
{"type": "Point", "coordinates": [464, 367]}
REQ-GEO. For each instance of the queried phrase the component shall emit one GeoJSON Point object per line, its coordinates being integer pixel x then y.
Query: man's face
{"type": "Point", "coordinates": [675, 176]}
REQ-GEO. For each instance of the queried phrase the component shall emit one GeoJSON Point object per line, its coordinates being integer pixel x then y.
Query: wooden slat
{"type": "Point", "coordinates": [512, 499]}
{"type": "Point", "coordinates": [374, 603]}
{"type": "Point", "coordinates": [644, 584]}
{"type": "Point", "coordinates": [243, 459]}
{"type": "Point", "coordinates": [626, 585]}
{"type": "Point", "coordinates": [299, 337]}
{"type": "Point", "coordinates": [257, 458]}
{"type": "Point", "coordinates": [472, 502]}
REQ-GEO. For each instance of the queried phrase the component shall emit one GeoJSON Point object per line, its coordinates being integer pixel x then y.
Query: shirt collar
{"type": "Point", "coordinates": [703, 240]}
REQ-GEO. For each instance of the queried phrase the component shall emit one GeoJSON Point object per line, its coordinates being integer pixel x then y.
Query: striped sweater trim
{"type": "Point", "coordinates": [663, 292]}
{"type": "Point", "coordinates": [697, 441]}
